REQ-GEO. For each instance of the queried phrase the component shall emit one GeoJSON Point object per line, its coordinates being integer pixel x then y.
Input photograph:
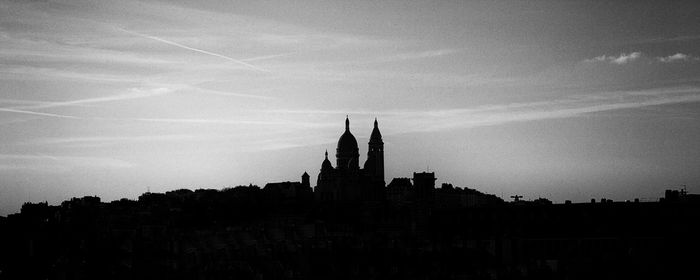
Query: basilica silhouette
{"type": "Point", "coordinates": [347, 181]}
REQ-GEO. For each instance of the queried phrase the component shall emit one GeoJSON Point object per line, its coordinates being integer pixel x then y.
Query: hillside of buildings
{"type": "Point", "coordinates": [282, 232]}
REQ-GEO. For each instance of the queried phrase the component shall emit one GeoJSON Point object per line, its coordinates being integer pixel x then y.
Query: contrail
{"type": "Point", "coordinates": [264, 57]}
{"type": "Point", "coordinates": [193, 49]}
{"type": "Point", "coordinates": [225, 93]}
{"type": "Point", "coordinates": [36, 113]}
{"type": "Point", "coordinates": [44, 105]}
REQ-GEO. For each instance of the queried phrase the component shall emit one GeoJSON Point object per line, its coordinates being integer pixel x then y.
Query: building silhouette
{"type": "Point", "coordinates": [347, 181]}
{"type": "Point", "coordinates": [424, 183]}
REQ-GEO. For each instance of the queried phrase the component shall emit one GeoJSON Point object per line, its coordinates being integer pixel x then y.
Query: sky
{"type": "Point", "coordinates": [554, 99]}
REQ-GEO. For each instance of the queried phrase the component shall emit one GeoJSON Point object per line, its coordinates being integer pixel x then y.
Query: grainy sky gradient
{"type": "Point", "coordinates": [544, 99]}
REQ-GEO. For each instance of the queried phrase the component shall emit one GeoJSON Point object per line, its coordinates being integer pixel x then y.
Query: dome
{"type": "Point", "coordinates": [347, 144]}
{"type": "Point", "coordinates": [326, 165]}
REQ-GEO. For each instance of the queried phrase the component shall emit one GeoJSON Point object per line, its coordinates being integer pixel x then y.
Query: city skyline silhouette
{"type": "Point", "coordinates": [335, 139]}
{"type": "Point", "coordinates": [564, 101]}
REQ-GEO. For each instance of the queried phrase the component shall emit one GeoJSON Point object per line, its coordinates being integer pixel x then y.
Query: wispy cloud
{"type": "Point", "coordinates": [38, 51]}
{"type": "Point", "coordinates": [21, 101]}
{"type": "Point", "coordinates": [106, 140]}
{"type": "Point", "coordinates": [299, 38]}
{"type": "Point", "coordinates": [53, 163]}
{"type": "Point", "coordinates": [406, 56]}
{"type": "Point", "coordinates": [237, 61]}
{"type": "Point", "coordinates": [562, 108]}
{"type": "Point", "coordinates": [623, 58]}
{"type": "Point", "coordinates": [199, 89]}
{"type": "Point", "coordinates": [684, 38]}
{"type": "Point", "coordinates": [135, 93]}
{"type": "Point", "coordinates": [677, 58]}
{"type": "Point", "coordinates": [200, 121]}
{"type": "Point", "coordinates": [266, 57]}
{"type": "Point", "coordinates": [405, 121]}
{"type": "Point", "coordinates": [226, 121]}
{"type": "Point", "coordinates": [26, 72]}
{"type": "Point", "coordinates": [10, 110]}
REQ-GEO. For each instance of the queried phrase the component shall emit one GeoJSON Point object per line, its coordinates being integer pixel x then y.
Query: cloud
{"type": "Point", "coordinates": [670, 39]}
{"type": "Point", "coordinates": [425, 54]}
{"type": "Point", "coordinates": [134, 93]}
{"type": "Point", "coordinates": [406, 121]}
{"type": "Point", "coordinates": [52, 52]}
{"type": "Point", "coordinates": [555, 109]}
{"type": "Point", "coordinates": [282, 123]}
{"type": "Point", "coordinates": [623, 58]}
{"type": "Point", "coordinates": [21, 101]}
{"type": "Point", "coordinates": [10, 110]}
{"type": "Point", "coordinates": [25, 72]}
{"type": "Point", "coordinates": [99, 141]}
{"type": "Point", "coordinates": [677, 57]}
{"type": "Point", "coordinates": [221, 93]}
{"type": "Point", "coordinates": [415, 55]}
{"type": "Point", "coordinates": [596, 59]}
{"type": "Point", "coordinates": [266, 57]}
{"type": "Point", "coordinates": [60, 164]}
{"type": "Point", "coordinates": [301, 38]}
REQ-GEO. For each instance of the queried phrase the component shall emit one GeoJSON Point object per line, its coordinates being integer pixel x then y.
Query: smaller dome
{"type": "Point", "coordinates": [326, 165]}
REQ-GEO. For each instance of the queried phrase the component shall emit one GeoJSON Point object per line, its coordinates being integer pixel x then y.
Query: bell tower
{"type": "Point", "coordinates": [374, 166]}
{"type": "Point", "coordinates": [305, 180]}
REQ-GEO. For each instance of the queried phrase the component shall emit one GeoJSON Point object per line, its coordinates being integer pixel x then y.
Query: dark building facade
{"type": "Point", "coordinates": [347, 181]}
{"type": "Point", "coordinates": [424, 183]}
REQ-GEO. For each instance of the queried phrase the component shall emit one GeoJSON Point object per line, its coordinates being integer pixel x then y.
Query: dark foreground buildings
{"type": "Point", "coordinates": [351, 226]}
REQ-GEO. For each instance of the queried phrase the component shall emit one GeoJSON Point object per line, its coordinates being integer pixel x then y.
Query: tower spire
{"type": "Point", "coordinates": [376, 136]}
{"type": "Point", "coordinates": [347, 123]}
{"type": "Point", "coordinates": [375, 155]}
{"type": "Point", "coordinates": [326, 153]}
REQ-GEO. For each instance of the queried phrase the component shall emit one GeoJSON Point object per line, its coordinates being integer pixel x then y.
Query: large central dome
{"type": "Point", "coordinates": [347, 144]}
{"type": "Point", "coordinates": [347, 152]}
